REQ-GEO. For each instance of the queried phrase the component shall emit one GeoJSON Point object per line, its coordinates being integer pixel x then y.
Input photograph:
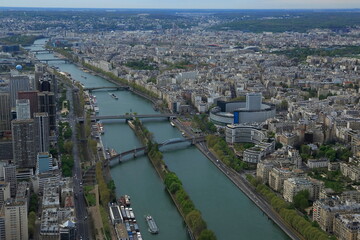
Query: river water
{"type": "Point", "coordinates": [227, 211]}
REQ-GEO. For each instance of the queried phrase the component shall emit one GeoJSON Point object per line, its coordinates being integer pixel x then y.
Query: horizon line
{"type": "Point", "coordinates": [114, 8]}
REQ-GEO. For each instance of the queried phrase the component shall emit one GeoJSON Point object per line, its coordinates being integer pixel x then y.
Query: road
{"type": "Point", "coordinates": [240, 181]}
{"type": "Point", "coordinates": [83, 228]}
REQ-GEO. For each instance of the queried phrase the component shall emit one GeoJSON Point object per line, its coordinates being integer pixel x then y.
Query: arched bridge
{"type": "Point", "coordinates": [130, 116]}
{"type": "Point", "coordinates": [109, 87]}
{"type": "Point", "coordinates": [142, 150]}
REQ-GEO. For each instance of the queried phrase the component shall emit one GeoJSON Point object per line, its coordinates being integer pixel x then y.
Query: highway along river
{"type": "Point", "coordinates": [227, 211]}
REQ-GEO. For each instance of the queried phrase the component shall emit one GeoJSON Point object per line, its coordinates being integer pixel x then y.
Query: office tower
{"type": "Point", "coordinates": [16, 224]}
{"type": "Point", "coordinates": [44, 162]}
{"type": "Point", "coordinates": [5, 109]}
{"type": "Point", "coordinates": [253, 101]}
{"type": "Point", "coordinates": [24, 143]}
{"type": "Point", "coordinates": [67, 230]}
{"type": "Point", "coordinates": [10, 177]}
{"type": "Point", "coordinates": [33, 98]}
{"type": "Point", "coordinates": [22, 109]}
{"type": "Point", "coordinates": [41, 121]}
{"type": "Point", "coordinates": [47, 104]}
{"type": "Point", "coordinates": [17, 84]}
{"type": "Point", "coordinates": [4, 192]}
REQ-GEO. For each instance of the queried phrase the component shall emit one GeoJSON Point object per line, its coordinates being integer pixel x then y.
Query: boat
{"type": "Point", "coordinates": [96, 109]}
{"type": "Point", "coordinates": [152, 225]}
{"type": "Point", "coordinates": [112, 152]}
{"type": "Point", "coordinates": [172, 124]}
{"type": "Point", "coordinates": [83, 77]}
{"type": "Point", "coordinates": [127, 200]}
{"type": "Point", "coordinates": [100, 128]}
{"type": "Point", "coordinates": [113, 96]}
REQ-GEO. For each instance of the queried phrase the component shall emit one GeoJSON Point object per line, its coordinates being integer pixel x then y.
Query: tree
{"type": "Point", "coordinates": [207, 235]}
{"type": "Point", "coordinates": [196, 223]}
{"type": "Point", "coordinates": [68, 146]}
{"type": "Point", "coordinates": [31, 224]}
{"type": "Point", "coordinates": [301, 199]}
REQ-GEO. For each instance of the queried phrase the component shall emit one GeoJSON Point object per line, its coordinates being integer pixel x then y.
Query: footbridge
{"type": "Point", "coordinates": [130, 117]}
{"type": "Point", "coordinates": [133, 153]}
{"type": "Point", "coordinates": [107, 88]}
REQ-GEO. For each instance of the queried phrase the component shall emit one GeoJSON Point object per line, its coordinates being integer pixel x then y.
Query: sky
{"type": "Point", "coordinates": [186, 4]}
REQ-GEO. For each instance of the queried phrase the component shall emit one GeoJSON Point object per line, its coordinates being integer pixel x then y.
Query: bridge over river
{"type": "Point", "coordinates": [131, 116]}
{"type": "Point", "coordinates": [118, 158]}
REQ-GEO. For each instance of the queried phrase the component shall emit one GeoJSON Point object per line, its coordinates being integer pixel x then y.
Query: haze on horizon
{"type": "Point", "coordinates": [187, 4]}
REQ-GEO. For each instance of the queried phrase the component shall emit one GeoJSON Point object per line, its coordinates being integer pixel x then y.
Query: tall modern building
{"type": "Point", "coordinates": [22, 109]}
{"type": "Point", "coordinates": [24, 143]}
{"type": "Point", "coordinates": [4, 192]}
{"type": "Point", "coordinates": [5, 112]}
{"type": "Point", "coordinates": [2, 224]}
{"type": "Point", "coordinates": [10, 177]}
{"type": "Point", "coordinates": [253, 101]}
{"type": "Point", "coordinates": [16, 224]}
{"type": "Point", "coordinates": [42, 131]}
{"type": "Point", "coordinates": [33, 98]}
{"type": "Point", "coordinates": [17, 84]}
{"type": "Point", "coordinates": [47, 104]}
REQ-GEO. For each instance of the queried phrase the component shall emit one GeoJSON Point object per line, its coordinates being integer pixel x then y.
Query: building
{"type": "Point", "coordinates": [237, 133]}
{"type": "Point", "coordinates": [5, 112]}
{"type": "Point", "coordinates": [24, 143]}
{"type": "Point", "coordinates": [10, 177]}
{"type": "Point", "coordinates": [44, 162]}
{"type": "Point", "coordinates": [351, 171]}
{"type": "Point", "coordinates": [325, 210]}
{"type": "Point", "coordinates": [17, 84]}
{"type": "Point", "coordinates": [41, 121]}
{"type": "Point", "coordinates": [67, 230]}
{"type": "Point", "coordinates": [263, 170]}
{"type": "Point", "coordinates": [277, 176]}
{"type": "Point", "coordinates": [23, 109]}
{"type": "Point", "coordinates": [347, 226]}
{"type": "Point", "coordinates": [318, 163]}
{"type": "Point", "coordinates": [4, 192]}
{"type": "Point", "coordinates": [2, 224]}
{"type": "Point", "coordinates": [47, 104]}
{"type": "Point", "coordinates": [33, 98]}
{"type": "Point", "coordinates": [16, 224]}
{"type": "Point", "coordinates": [239, 112]}
{"type": "Point", "coordinates": [294, 185]}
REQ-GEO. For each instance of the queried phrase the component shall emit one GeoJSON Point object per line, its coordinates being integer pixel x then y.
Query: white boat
{"type": "Point", "coordinates": [172, 124]}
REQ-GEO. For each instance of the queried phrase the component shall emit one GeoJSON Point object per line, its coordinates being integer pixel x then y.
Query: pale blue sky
{"type": "Point", "coordinates": [192, 4]}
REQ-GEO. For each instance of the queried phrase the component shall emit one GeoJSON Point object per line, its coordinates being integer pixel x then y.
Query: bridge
{"type": "Point", "coordinates": [41, 51]}
{"type": "Point", "coordinates": [118, 158]}
{"type": "Point", "coordinates": [130, 117]}
{"type": "Point", "coordinates": [52, 60]}
{"type": "Point", "coordinates": [109, 87]}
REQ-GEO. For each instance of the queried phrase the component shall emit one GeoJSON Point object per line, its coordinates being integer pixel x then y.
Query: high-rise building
{"type": "Point", "coordinates": [2, 224]}
{"type": "Point", "coordinates": [22, 109]}
{"type": "Point", "coordinates": [4, 192]}
{"type": "Point", "coordinates": [42, 131]}
{"type": "Point", "coordinates": [33, 98]}
{"type": "Point", "coordinates": [67, 230]}
{"type": "Point", "coordinates": [44, 162]}
{"type": "Point", "coordinates": [10, 177]}
{"type": "Point", "coordinates": [5, 110]}
{"type": "Point", "coordinates": [16, 224]}
{"type": "Point", "coordinates": [253, 101]}
{"type": "Point", "coordinates": [24, 143]}
{"type": "Point", "coordinates": [47, 104]}
{"type": "Point", "coordinates": [17, 84]}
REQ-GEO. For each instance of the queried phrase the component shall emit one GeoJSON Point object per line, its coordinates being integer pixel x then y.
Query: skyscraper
{"type": "Point", "coordinates": [22, 109]}
{"type": "Point", "coordinates": [253, 101]}
{"type": "Point", "coordinates": [44, 162]}
{"type": "Point", "coordinates": [47, 104]}
{"type": "Point", "coordinates": [24, 143]}
{"type": "Point", "coordinates": [17, 84]}
{"type": "Point", "coordinates": [5, 109]}
{"type": "Point", "coordinates": [42, 131]}
{"type": "Point", "coordinates": [16, 224]}
{"type": "Point", "coordinates": [33, 97]}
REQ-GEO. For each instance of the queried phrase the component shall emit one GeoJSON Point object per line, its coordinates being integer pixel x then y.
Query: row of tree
{"type": "Point", "coordinates": [224, 153]}
{"type": "Point", "coordinates": [306, 228]}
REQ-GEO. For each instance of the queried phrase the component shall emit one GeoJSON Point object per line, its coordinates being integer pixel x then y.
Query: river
{"type": "Point", "coordinates": [227, 211]}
